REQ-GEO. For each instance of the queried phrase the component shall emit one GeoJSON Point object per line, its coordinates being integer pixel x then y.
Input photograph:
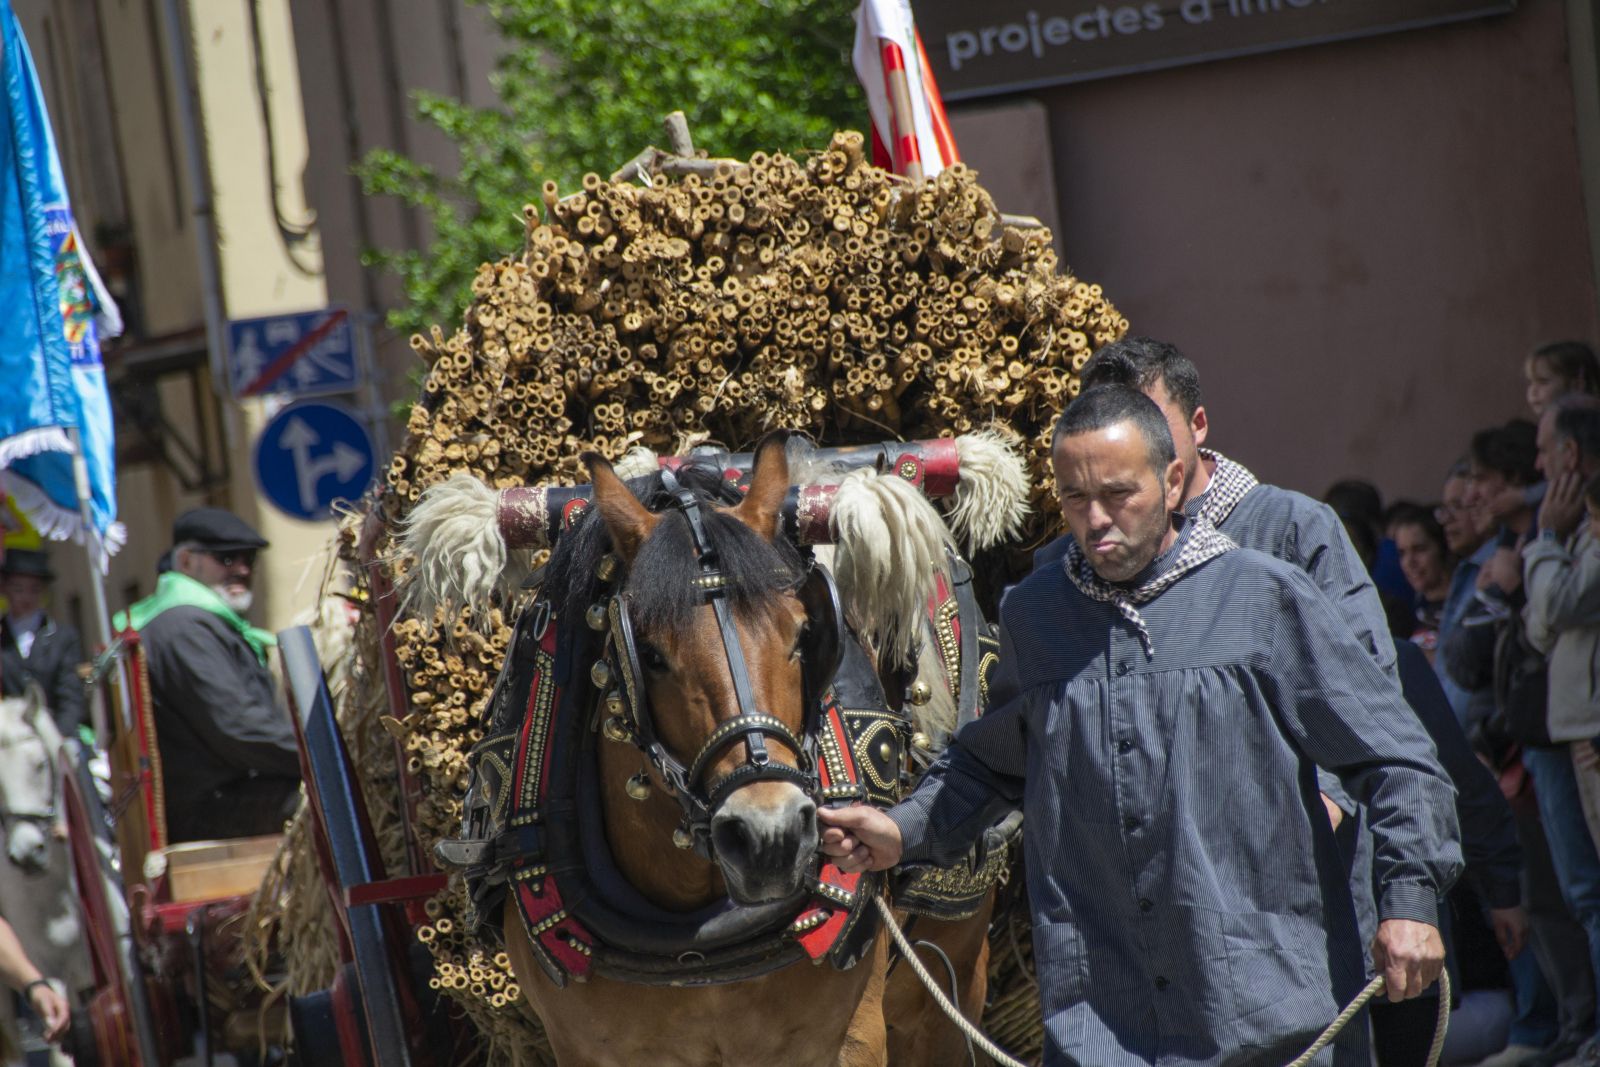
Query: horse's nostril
{"type": "Point", "coordinates": [732, 839]}
{"type": "Point", "coordinates": [807, 814]}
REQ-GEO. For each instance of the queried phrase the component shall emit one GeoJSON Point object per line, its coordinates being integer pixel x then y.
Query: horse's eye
{"type": "Point", "coordinates": [651, 659]}
{"type": "Point", "coordinates": [800, 641]}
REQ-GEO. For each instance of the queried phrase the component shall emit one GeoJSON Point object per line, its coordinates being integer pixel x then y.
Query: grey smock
{"type": "Point", "coordinates": [1189, 902]}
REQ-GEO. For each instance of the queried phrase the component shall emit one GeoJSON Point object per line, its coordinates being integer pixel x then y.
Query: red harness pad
{"type": "Point", "coordinates": [551, 929]}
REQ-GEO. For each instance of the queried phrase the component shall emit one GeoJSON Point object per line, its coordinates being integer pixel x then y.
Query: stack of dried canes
{"type": "Point", "coordinates": [690, 300]}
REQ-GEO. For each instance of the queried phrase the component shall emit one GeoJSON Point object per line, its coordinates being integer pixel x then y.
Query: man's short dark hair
{"type": "Point", "coordinates": [1107, 405]}
{"type": "Point", "coordinates": [1140, 362]}
{"type": "Point", "coordinates": [1580, 423]}
{"type": "Point", "coordinates": [1510, 450]}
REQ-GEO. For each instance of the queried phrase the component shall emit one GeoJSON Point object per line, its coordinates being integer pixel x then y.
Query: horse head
{"type": "Point", "coordinates": [700, 628]}
{"type": "Point", "coordinates": [710, 631]}
{"type": "Point", "coordinates": [28, 741]}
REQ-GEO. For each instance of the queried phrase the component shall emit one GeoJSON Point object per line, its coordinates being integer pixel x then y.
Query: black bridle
{"type": "Point", "coordinates": [629, 708]}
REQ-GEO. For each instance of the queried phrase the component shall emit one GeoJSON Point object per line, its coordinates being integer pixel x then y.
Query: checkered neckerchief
{"type": "Point", "coordinates": [1201, 542]}
{"type": "Point", "coordinates": [1229, 483]}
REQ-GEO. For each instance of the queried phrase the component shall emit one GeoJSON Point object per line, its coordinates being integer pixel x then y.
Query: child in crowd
{"type": "Point", "coordinates": [1558, 368]}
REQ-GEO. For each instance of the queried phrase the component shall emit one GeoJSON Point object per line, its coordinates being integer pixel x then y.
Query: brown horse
{"type": "Point", "coordinates": [762, 835]}
{"type": "Point", "coordinates": [716, 616]}
{"type": "Point", "coordinates": [919, 1032]}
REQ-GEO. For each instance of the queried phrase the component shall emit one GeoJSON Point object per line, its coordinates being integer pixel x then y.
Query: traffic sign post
{"type": "Point", "coordinates": [303, 354]}
{"type": "Point", "coordinates": [310, 455]}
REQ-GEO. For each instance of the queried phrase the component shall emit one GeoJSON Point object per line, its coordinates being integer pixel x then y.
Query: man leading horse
{"type": "Point", "coordinates": [1176, 695]}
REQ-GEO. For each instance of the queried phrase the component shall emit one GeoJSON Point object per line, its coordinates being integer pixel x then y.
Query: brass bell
{"type": "Point", "coordinates": [600, 674]}
{"type": "Point", "coordinates": [682, 837]}
{"type": "Point", "coordinates": [606, 569]}
{"type": "Point", "coordinates": [920, 740]}
{"type": "Point", "coordinates": [614, 705]}
{"type": "Point", "coordinates": [921, 692]}
{"type": "Point", "coordinates": [596, 616]}
{"type": "Point", "coordinates": [616, 730]}
{"type": "Point", "coordinates": [639, 786]}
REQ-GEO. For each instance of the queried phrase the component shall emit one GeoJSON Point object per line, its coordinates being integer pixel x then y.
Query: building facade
{"type": "Point", "coordinates": [207, 145]}
{"type": "Point", "coordinates": [1356, 238]}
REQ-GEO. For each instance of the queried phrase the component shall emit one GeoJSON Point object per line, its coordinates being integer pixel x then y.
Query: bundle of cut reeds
{"type": "Point", "coordinates": [682, 301]}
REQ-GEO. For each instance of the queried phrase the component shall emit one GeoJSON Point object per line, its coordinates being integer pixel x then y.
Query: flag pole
{"type": "Point", "coordinates": [93, 550]}
{"type": "Point", "coordinates": [904, 150]}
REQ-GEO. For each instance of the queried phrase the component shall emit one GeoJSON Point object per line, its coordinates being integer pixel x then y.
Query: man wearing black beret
{"type": "Point", "coordinates": [35, 647]}
{"type": "Point", "coordinates": [229, 760]}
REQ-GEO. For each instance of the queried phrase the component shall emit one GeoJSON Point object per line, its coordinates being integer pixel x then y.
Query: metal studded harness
{"type": "Point", "coordinates": [531, 822]}
{"type": "Point", "coordinates": [824, 642]}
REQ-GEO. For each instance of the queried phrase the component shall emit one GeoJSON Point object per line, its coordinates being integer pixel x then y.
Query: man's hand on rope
{"type": "Point", "coordinates": [1409, 955]}
{"type": "Point", "coordinates": [860, 837]}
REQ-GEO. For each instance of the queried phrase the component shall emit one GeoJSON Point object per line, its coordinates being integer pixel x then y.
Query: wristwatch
{"type": "Point", "coordinates": [1549, 534]}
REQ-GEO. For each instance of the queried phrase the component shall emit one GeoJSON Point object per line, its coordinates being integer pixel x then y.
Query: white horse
{"type": "Point", "coordinates": [36, 894]}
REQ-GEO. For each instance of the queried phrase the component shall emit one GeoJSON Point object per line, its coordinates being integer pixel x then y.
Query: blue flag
{"type": "Point", "coordinates": [55, 308]}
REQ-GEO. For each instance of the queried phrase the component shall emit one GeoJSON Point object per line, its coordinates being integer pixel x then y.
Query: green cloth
{"type": "Point", "coordinates": [176, 590]}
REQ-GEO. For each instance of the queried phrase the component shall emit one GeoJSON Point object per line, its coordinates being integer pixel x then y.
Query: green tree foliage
{"type": "Point", "coordinates": [583, 85]}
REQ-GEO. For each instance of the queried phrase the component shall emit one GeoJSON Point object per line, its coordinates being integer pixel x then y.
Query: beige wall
{"type": "Point", "coordinates": [263, 273]}
{"type": "Point", "coordinates": [1356, 242]}
{"type": "Point", "coordinates": [146, 152]}
{"type": "Point", "coordinates": [125, 165]}
{"type": "Point", "coordinates": [105, 71]}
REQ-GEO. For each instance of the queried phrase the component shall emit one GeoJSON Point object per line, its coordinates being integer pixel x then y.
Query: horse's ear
{"type": "Point", "coordinates": [628, 521]}
{"type": "Point", "coordinates": [762, 507]}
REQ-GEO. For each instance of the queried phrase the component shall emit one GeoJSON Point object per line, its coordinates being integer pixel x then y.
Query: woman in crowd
{"type": "Point", "coordinates": [1427, 563]}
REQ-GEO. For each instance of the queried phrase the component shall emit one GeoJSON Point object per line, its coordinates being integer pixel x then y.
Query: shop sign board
{"type": "Point", "coordinates": [1003, 46]}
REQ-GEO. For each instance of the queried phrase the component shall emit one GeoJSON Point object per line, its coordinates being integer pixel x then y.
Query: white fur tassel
{"type": "Point", "coordinates": [638, 463]}
{"type": "Point", "coordinates": [991, 500]}
{"type": "Point", "coordinates": [890, 543]}
{"type": "Point", "coordinates": [452, 535]}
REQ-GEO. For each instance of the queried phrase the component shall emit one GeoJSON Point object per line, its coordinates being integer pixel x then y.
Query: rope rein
{"type": "Point", "coordinates": [979, 1038]}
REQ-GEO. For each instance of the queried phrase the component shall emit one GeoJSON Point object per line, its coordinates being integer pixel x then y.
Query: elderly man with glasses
{"type": "Point", "coordinates": [229, 760]}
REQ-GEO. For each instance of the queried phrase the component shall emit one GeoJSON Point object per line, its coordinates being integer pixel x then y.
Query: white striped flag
{"type": "Point", "coordinates": [910, 133]}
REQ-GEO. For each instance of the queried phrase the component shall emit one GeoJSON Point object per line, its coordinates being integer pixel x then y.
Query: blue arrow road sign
{"type": "Point", "coordinates": [309, 455]}
{"type": "Point", "coordinates": [293, 355]}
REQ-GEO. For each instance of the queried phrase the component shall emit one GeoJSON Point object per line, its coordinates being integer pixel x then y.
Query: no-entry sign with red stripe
{"type": "Point", "coordinates": [302, 354]}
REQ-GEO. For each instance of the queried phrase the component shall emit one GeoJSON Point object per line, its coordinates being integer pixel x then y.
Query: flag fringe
{"type": "Point", "coordinates": [32, 442]}
{"type": "Point", "coordinates": [57, 523]}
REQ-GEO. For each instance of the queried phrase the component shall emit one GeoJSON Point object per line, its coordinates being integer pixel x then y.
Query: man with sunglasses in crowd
{"type": "Point", "coordinates": [229, 760]}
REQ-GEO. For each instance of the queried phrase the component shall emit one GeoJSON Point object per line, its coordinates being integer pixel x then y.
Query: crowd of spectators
{"type": "Point", "coordinates": [1501, 592]}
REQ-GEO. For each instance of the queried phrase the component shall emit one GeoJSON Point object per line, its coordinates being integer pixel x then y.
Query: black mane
{"type": "Point", "coordinates": [660, 581]}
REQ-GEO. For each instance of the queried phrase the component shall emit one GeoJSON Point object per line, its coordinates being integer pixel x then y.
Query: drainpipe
{"type": "Point", "coordinates": [191, 137]}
